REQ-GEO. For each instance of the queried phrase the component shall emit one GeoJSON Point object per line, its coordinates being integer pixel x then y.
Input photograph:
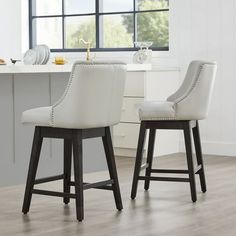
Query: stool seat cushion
{"type": "Point", "coordinates": [41, 116]}
{"type": "Point", "coordinates": [155, 110]}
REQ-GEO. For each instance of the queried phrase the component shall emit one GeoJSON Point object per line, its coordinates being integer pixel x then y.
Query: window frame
{"type": "Point", "coordinates": [97, 15]}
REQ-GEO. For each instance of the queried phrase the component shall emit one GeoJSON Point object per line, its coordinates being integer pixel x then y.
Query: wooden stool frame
{"type": "Point", "coordinates": [186, 126]}
{"type": "Point", "coordinates": [72, 142]}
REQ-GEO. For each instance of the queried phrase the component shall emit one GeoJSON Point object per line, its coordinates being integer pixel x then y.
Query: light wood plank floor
{"type": "Point", "coordinates": [166, 209]}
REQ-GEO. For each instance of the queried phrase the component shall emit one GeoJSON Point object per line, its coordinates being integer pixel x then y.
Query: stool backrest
{"type": "Point", "coordinates": [193, 97]}
{"type": "Point", "coordinates": [93, 97]}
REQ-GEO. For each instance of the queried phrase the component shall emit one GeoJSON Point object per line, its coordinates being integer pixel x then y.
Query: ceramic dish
{"type": "Point", "coordinates": [39, 55]}
{"type": "Point", "coordinates": [30, 57]}
{"type": "Point", "coordinates": [47, 54]}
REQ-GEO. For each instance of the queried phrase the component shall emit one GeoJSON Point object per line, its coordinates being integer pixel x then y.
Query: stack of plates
{"type": "Point", "coordinates": [39, 55]}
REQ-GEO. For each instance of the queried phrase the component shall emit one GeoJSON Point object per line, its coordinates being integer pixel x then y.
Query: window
{"type": "Point", "coordinates": [108, 24]}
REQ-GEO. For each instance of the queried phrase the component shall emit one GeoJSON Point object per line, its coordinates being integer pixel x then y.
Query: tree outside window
{"type": "Point", "coordinates": [149, 22]}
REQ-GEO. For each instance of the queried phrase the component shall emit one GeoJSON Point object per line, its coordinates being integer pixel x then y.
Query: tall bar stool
{"type": "Point", "coordinates": [182, 110]}
{"type": "Point", "coordinates": [91, 103]}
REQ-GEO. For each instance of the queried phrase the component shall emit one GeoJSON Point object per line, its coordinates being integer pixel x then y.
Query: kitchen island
{"type": "Point", "coordinates": [23, 87]}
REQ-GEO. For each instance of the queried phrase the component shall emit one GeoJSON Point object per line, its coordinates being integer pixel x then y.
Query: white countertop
{"type": "Point", "coordinates": [52, 68]}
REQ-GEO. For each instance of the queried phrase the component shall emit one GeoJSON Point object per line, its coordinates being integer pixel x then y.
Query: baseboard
{"type": "Point", "coordinates": [126, 152]}
{"type": "Point", "coordinates": [215, 148]}
{"type": "Point", "coordinates": [209, 148]}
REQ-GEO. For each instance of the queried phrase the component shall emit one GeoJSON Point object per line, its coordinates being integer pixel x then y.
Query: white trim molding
{"type": "Point", "coordinates": [215, 148]}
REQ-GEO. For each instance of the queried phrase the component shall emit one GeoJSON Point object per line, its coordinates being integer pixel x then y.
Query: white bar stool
{"type": "Point", "coordinates": [182, 110]}
{"type": "Point", "coordinates": [91, 103]}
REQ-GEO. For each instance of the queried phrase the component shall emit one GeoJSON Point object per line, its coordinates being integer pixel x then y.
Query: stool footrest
{"type": "Point", "coordinates": [98, 185]}
{"type": "Point", "coordinates": [169, 171]}
{"type": "Point", "coordinates": [175, 171]}
{"type": "Point", "coordinates": [53, 193]}
{"type": "Point", "coordinates": [169, 179]}
{"type": "Point", "coordinates": [49, 179]}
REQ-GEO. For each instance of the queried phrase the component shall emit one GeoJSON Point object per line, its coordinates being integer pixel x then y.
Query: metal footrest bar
{"type": "Point", "coordinates": [169, 179]}
{"type": "Point", "coordinates": [104, 185]}
{"type": "Point", "coordinates": [49, 179]}
{"type": "Point", "coordinates": [52, 193]}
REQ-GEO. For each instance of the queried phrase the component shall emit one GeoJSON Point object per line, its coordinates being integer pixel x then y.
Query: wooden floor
{"type": "Point", "coordinates": [166, 209]}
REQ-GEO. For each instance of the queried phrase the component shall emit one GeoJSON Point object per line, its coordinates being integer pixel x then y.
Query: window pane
{"type": "Point", "coordinates": [116, 31]}
{"type": "Point", "coordinates": [48, 31]}
{"type": "Point", "coordinates": [80, 27]}
{"type": "Point", "coordinates": [115, 5]}
{"type": "Point", "coordinates": [79, 6]}
{"type": "Point", "coordinates": [46, 7]}
{"type": "Point", "coordinates": [153, 26]}
{"type": "Point", "coordinates": [152, 4]}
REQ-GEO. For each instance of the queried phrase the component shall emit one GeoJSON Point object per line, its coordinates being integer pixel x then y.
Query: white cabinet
{"type": "Point", "coordinates": [125, 135]}
{"type": "Point", "coordinates": [30, 91]}
{"type": "Point", "coordinates": [7, 159]}
{"type": "Point", "coordinates": [145, 85]}
{"type": "Point", "coordinates": [134, 85]}
{"type": "Point", "coordinates": [130, 109]}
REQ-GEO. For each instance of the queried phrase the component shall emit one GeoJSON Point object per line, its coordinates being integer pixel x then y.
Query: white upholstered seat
{"type": "Point", "coordinates": [156, 109]}
{"type": "Point", "coordinates": [190, 101]}
{"type": "Point", "coordinates": [41, 116]}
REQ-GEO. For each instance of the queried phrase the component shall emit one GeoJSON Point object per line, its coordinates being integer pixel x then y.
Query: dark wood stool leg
{"type": "Point", "coordinates": [139, 157]}
{"type": "Point", "coordinates": [33, 165]}
{"type": "Point", "coordinates": [188, 146]}
{"type": "Point", "coordinates": [78, 173]}
{"type": "Point", "coordinates": [151, 143]}
{"type": "Point", "coordinates": [198, 148]}
{"type": "Point", "coordinates": [67, 168]}
{"type": "Point", "coordinates": [108, 147]}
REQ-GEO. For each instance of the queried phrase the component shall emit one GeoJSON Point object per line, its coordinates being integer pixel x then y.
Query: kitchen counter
{"type": "Point", "coordinates": [52, 68]}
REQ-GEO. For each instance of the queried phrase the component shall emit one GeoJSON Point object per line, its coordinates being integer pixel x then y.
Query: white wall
{"type": "Point", "coordinates": [207, 30]}
{"type": "Point", "coordinates": [10, 29]}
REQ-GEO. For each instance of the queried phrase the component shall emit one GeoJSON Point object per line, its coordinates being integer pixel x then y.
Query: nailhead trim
{"type": "Point", "coordinates": [183, 97]}
{"type": "Point", "coordinates": [83, 63]}
{"type": "Point", "coordinates": [154, 118]}
{"type": "Point", "coordinates": [192, 87]}
{"type": "Point", "coordinates": [190, 90]}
